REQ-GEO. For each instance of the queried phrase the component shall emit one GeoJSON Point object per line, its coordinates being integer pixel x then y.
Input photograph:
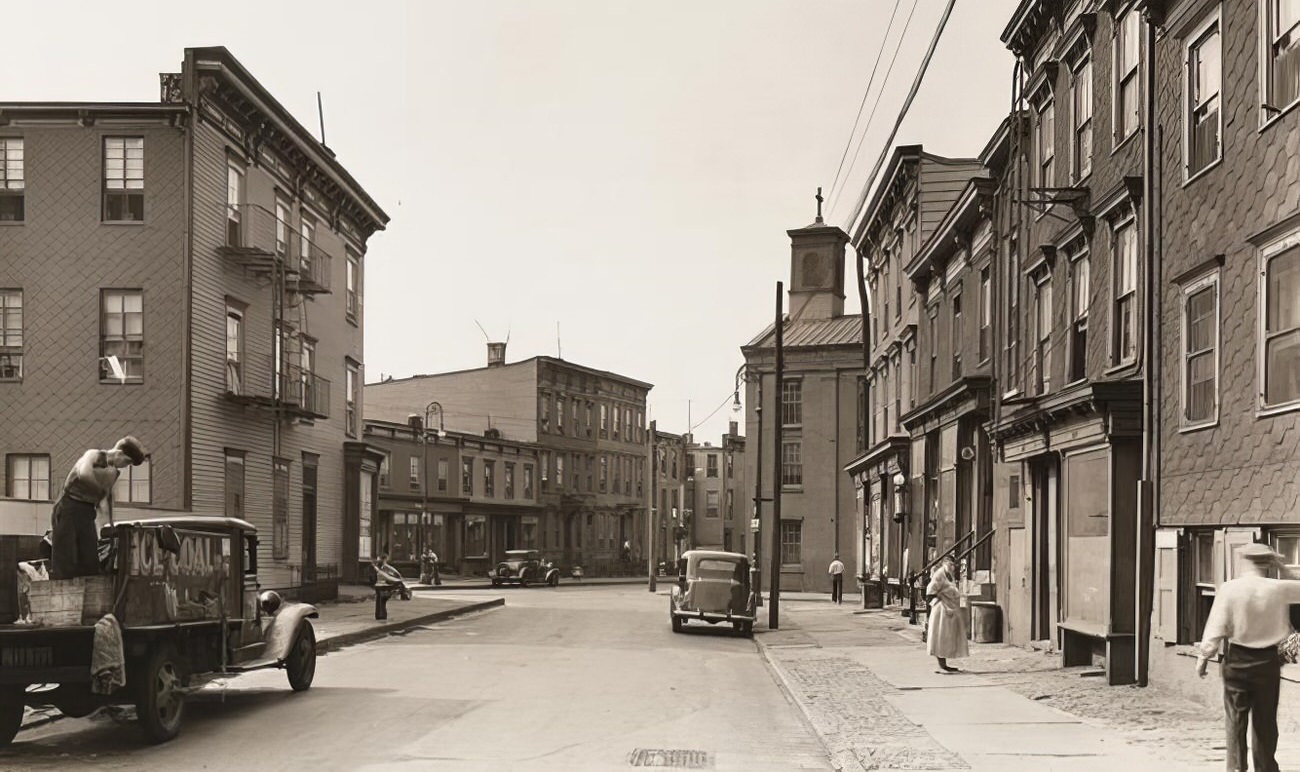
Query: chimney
{"type": "Point", "coordinates": [732, 427]}
{"type": "Point", "coordinates": [496, 354]}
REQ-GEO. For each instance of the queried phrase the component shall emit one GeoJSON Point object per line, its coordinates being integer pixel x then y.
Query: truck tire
{"type": "Point", "coordinates": [301, 663]}
{"type": "Point", "coordinates": [160, 701]}
{"type": "Point", "coordinates": [11, 712]}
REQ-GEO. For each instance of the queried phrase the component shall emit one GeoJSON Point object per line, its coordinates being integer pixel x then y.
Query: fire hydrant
{"type": "Point", "coordinates": [383, 591]}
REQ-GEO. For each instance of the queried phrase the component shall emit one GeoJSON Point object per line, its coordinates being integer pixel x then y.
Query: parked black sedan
{"type": "Point", "coordinates": [525, 567]}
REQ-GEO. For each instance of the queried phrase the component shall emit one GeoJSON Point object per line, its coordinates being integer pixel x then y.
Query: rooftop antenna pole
{"type": "Point", "coordinates": [559, 353]}
{"type": "Point", "coordinates": [320, 113]}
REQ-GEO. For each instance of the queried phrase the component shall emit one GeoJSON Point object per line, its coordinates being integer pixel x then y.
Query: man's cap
{"type": "Point", "coordinates": [133, 449]}
{"type": "Point", "coordinates": [1256, 551]}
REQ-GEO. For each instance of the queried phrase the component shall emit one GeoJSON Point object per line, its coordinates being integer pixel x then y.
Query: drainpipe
{"type": "Point", "coordinates": [1145, 574]}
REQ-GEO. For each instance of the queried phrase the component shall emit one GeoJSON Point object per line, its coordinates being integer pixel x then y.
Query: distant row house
{"type": "Point", "coordinates": [1083, 352]}
{"type": "Point", "coordinates": [583, 432]}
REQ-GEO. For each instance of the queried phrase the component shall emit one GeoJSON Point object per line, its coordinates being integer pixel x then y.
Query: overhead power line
{"type": "Point", "coordinates": [898, 122]}
{"type": "Point", "coordinates": [853, 131]}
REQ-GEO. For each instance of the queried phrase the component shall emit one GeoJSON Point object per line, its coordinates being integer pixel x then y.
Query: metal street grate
{"type": "Point", "coordinates": [673, 758]}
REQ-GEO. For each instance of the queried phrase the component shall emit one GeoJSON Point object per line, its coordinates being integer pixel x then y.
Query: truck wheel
{"type": "Point", "coordinates": [11, 712]}
{"type": "Point", "coordinates": [301, 663]}
{"type": "Point", "coordinates": [160, 703]}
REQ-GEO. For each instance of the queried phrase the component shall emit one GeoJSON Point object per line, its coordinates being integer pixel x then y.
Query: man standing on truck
{"type": "Point", "coordinates": [90, 483]}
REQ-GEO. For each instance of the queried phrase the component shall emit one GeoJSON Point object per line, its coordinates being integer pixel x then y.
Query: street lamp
{"type": "Point", "coordinates": [749, 375]}
{"type": "Point", "coordinates": [414, 421]}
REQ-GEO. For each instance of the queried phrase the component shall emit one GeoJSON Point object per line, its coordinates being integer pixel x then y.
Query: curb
{"type": "Point", "coordinates": [779, 676]}
{"type": "Point", "coordinates": [335, 642]}
{"type": "Point", "coordinates": [487, 585]}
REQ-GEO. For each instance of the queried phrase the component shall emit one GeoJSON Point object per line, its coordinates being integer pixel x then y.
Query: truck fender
{"type": "Point", "coordinates": [282, 629]}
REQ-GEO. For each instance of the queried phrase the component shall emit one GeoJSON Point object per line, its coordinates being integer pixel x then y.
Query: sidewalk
{"type": "Point", "coordinates": [864, 682]}
{"type": "Point", "coordinates": [351, 619]}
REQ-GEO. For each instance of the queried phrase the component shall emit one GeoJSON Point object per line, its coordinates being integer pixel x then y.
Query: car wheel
{"type": "Point", "coordinates": [11, 712]}
{"type": "Point", "coordinates": [160, 702]}
{"type": "Point", "coordinates": [301, 662]}
{"type": "Point", "coordinates": [496, 582]}
{"type": "Point", "coordinates": [554, 581]}
{"type": "Point", "coordinates": [677, 624]}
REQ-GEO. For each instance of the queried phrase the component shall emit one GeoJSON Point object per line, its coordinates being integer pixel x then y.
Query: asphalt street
{"type": "Point", "coordinates": [569, 678]}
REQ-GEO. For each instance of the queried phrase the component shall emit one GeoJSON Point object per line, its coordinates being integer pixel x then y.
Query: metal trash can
{"type": "Point", "coordinates": [986, 622]}
{"type": "Point", "coordinates": [871, 594]}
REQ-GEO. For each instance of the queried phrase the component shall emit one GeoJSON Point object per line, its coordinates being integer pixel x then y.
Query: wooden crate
{"type": "Point", "coordinates": [76, 601]}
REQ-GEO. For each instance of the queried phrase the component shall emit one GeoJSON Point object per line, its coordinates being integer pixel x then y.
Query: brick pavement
{"type": "Point", "coordinates": [865, 684]}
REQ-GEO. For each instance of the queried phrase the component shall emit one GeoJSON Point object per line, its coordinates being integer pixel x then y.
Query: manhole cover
{"type": "Point", "coordinates": [672, 758]}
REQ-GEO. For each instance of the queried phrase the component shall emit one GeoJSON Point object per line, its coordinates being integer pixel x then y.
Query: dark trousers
{"type": "Point", "coordinates": [837, 588]}
{"type": "Point", "coordinates": [1251, 682]}
{"type": "Point", "coordinates": [75, 546]}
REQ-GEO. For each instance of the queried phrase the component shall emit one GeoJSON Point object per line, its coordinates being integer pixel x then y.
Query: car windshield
{"type": "Point", "coordinates": [715, 569]}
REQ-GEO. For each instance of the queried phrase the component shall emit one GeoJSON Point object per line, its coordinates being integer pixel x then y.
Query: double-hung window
{"type": "Point", "coordinates": [791, 462]}
{"type": "Point", "coordinates": [352, 399]}
{"type": "Point", "coordinates": [13, 185]}
{"type": "Point", "coordinates": [29, 477]}
{"type": "Point", "coordinates": [1201, 351]}
{"type": "Point", "coordinates": [134, 484]}
{"type": "Point", "coordinates": [1046, 142]}
{"type": "Point", "coordinates": [11, 334]}
{"type": "Point", "coordinates": [791, 542]}
{"type": "Point", "coordinates": [986, 312]}
{"type": "Point", "coordinates": [353, 307]}
{"type": "Point", "coordinates": [791, 403]}
{"type": "Point", "coordinates": [955, 338]}
{"type": "Point", "coordinates": [123, 179]}
{"type": "Point", "coordinates": [1280, 354]}
{"type": "Point", "coordinates": [1128, 51]}
{"type": "Point", "coordinates": [1081, 119]}
{"type": "Point", "coordinates": [234, 349]}
{"type": "Point", "coordinates": [1043, 333]}
{"type": "Point", "coordinates": [1082, 276]}
{"type": "Point", "coordinates": [1281, 56]}
{"type": "Point", "coordinates": [1203, 117]}
{"type": "Point", "coordinates": [1124, 319]}
{"type": "Point", "coordinates": [121, 336]}
{"type": "Point", "coordinates": [234, 204]}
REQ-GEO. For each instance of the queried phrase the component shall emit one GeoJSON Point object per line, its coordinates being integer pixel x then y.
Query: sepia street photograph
{"type": "Point", "coordinates": [597, 385]}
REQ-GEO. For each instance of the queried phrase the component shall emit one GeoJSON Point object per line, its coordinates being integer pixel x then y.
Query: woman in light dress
{"type": "Point", "coordinates": [946, 631]}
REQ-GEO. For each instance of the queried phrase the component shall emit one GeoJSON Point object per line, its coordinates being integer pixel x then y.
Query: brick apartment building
{"type": "Point", "coordinates": [188, 271]}
{"type": "Point", "coordinates": [715, 493]}
{"type": "Point", "coordinates": [667, 492]}
{"type": "Point", "coordinates": [468, 497]}
{"type": "Point", "coordinates": [589, 425]}
{"type": "Point", "coordinates": [817, 407]}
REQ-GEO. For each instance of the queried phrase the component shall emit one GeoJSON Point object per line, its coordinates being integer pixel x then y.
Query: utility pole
{"type": "Point", "coordinates": [652, 513]}
{"type": "Point", "coordinates": [774, 582]}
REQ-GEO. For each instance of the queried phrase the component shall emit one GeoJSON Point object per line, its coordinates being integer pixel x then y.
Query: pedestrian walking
{"type": "Point", "coordinates": [836, 571]}
{"type": "Point", "coordinates": [74, 543]}
{"type": "Point", "coordinates": [1248, 620]}
{"type": "Point", "coordinates": [945, 628]}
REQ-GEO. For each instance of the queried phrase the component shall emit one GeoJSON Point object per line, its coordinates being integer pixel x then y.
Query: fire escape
{"type": "Point", "coordinates": [265, 246]}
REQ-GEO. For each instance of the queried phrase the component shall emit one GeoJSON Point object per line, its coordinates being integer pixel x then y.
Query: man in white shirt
{"type": "Point", "coordinates": [1248, 620]}
{"type": "Point", "coordinates": [837, 579]}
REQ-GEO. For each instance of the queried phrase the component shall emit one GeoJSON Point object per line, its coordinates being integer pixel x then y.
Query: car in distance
{"type": "Point", "coordinates": [525, 567]}
{"type": "Point", "coordinates": [713, 587]}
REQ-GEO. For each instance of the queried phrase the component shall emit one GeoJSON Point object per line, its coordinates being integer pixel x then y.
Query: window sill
{"type": "Point", "coordinates": [116, 382]}
{"type": "Point", "coordinates": [1123, 368]}
{"type": "Point", "coordinates": [1125, 140]}
{"type": "Point", "coordinates": [122, 222]}
{"type": "Point", "coordinates": [1267, 412]}
{"type": "Point", "coordinates": [1205, 170]}
{"type": "Point", "coordinates": [1274, 117]}
{"type": "Point", "coordinates": [1189, 428]}
{"type": "Point", "coordinates": [11, 223]}
{"type": "Point", "coordinates": [792, 488]}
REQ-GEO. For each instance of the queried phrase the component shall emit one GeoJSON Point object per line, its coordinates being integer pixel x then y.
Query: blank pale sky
{"type": "Point", "coordinates": [626, 170]}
